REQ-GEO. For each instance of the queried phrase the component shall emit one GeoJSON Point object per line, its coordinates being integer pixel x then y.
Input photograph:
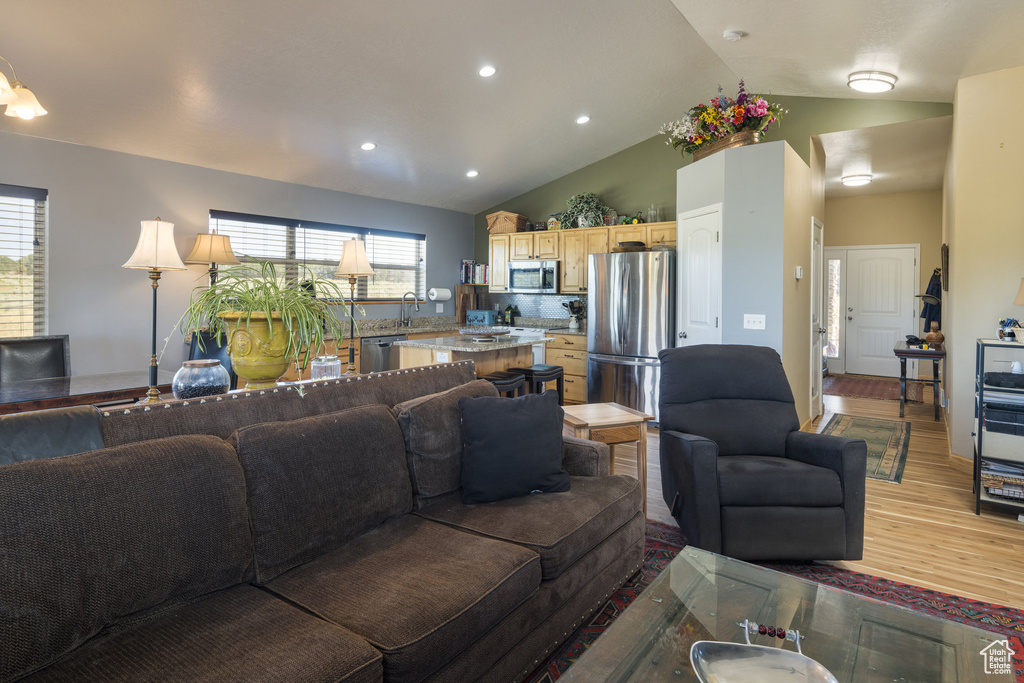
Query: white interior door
{"type": "Point", "coordinates": [880, 307]}
{"type": "Point", "coordinates": [817, 314]}
{"type": "Point", "coordinates": [699, 276]}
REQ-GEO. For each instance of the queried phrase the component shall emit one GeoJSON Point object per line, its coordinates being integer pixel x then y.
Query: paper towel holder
{"type": "Point", "coordinates": [439, 294]}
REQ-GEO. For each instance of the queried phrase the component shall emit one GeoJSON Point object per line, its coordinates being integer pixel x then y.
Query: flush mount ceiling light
{"type": "Point", "coordinates": [855, 180]}
{"type": "Point", "coordinates": [19, 100]}
{"type": "Point", "coordinates": [487, 71]}
{"type": "Point", "coordinates": [733, 36]}
{"type": "Point", "coordinates": [583, 119]}
{"type": "Point", "coordinates": [871, 81]}
{"type": "Point", "coordinates": [472, 174]}
{"type": "Point", "coordinates": [367, 146]}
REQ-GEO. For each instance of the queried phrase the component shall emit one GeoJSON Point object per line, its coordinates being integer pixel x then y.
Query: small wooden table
{"type": "Point", "coordinates": [936, 353]}
{"type": "Point", "coordinates": [612, 424]}
{"type": "Point", "coordinates": [77, 390]}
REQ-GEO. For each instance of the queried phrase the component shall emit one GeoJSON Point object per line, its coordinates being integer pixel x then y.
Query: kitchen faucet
{"type": "Point", "coordinates": [403, 319]}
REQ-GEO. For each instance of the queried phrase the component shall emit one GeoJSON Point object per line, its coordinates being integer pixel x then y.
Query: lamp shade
{"type": "Point", "coordinates": [353, 260]}
{"type": "Point", "coordinates": [212, 248]}
{"type": "Point", "coordinates": [6, 92]}
{"type": "Point", "coordinates": [156, 250]}
{"type": "Point", "coordinates": [25, 106]}
{"type": "Point", "coordinates": [1019, 301]}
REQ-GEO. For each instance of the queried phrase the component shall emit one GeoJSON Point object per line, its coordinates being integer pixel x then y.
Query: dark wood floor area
{"type": "Point", "coordinates": [922, 531]}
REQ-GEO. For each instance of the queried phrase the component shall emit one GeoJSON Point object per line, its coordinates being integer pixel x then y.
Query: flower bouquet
{"type": "Point", "coordinates": [705, 125]}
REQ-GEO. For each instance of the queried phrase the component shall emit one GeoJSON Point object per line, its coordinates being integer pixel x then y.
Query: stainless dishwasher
{"type": "Point", "coordinates": [378, 353]}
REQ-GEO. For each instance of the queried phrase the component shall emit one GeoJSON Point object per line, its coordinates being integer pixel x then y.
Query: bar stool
{"type": "Point", "coordinates": [507, 382]}
{"type": "Point", "coordinates": [539, 375]}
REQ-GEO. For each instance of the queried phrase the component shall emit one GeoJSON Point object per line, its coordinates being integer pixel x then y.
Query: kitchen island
{"type": "Point", "coordinates": [498, 353]}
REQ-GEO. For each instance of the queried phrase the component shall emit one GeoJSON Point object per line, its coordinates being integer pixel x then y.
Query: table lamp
{"type": "Point", "coordinates": [353, 264]}
{"type": "Point", "coordinates": [1019, 301]}
{"type": "Point", "coordinates": [212, 248]}
{"type": "Point", "coordinates": [155, 252]}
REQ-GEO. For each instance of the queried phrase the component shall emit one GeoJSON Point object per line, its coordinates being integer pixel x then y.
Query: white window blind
{"type": "Point", "coordinates": [398, 258]}
{"type": "Point", "coordinates": [22, 261]}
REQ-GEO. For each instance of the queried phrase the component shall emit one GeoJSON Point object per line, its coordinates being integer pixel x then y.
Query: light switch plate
{"type": "Point", "coordinates": [440, 308]}
{"type": "Point", "coordinates": [753, 321]}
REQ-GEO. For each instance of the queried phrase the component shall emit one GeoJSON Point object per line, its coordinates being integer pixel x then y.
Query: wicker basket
{"type": "Point", "coordinates": [505, 221]}
{"type": "Point", "coordinates": [996, 481]}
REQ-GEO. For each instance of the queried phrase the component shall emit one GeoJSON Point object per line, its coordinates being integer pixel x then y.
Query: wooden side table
{"type": "Point", "coordinates": [936, 353]}
{"type": "Point", "coordinates": [612, 424]}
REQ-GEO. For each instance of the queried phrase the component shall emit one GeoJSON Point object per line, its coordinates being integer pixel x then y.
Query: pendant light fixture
{"type": "Point", "coordinates": [20, 101]}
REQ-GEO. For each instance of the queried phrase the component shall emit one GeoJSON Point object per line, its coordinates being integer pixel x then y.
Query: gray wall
{"type": "Point", "coordinates": [97, 199]}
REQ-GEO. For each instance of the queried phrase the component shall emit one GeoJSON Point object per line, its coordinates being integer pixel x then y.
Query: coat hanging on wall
{"type": "Point", "coordinates": [932, 299]}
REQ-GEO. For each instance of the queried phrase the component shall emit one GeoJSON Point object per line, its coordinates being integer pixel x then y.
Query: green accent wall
{"type": "Point", "coordinates": [645, 174]}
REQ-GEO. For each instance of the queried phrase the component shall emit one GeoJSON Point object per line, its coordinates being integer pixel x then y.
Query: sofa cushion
{"type": "Point", "coordinates": [511, 447]}
{"type": "Point", "coordinates": [418, 591]}
{"type": "Point", "coordinates": [433, 438]}
{"type": "Point", "coordinates": [87, 540]}
{"type": "Point", "coordinates": [743, 481]}
{"type": "Point", "coordinates": [560, 527]}
{"type": "Point", "coordinates": [240, 634]}
{"type": "Point", "coordinates": [49, 433]}
{"type": "Point", "coordinates": [319, 482]}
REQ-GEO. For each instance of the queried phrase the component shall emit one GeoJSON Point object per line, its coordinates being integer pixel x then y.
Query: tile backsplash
{"type": "Point", "coordinates": [532, 305]}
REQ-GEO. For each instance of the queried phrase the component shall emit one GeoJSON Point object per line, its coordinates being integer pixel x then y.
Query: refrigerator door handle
{"type": "Point", "coordinates": [622, 360]}
{"type": "Point", "coordinates": [623, 314]}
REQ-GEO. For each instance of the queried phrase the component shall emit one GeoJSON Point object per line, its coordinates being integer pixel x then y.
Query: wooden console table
{"type": "Point", "coordinates": [77, 390]}
{"type": "Point", "coordinates": [903, 351]}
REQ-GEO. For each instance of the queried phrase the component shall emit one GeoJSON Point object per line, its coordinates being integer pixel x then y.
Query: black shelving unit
{"type": "Point", "coordinates": [1000, 447]}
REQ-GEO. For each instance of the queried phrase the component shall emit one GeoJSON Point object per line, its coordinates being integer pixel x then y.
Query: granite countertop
{"type": "Point", "coordinates": [466, 343]}
{"type": "Point", "coordinates": [580, 331]}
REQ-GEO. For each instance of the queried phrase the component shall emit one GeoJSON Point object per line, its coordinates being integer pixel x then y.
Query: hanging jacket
{"type": "Point", "coordinates": [932, 312]}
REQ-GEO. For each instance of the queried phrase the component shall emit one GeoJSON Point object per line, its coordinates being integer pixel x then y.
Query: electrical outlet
{"type": "Point", "coordinates": [442, 356]}
{"type": "Point", "coordinates": [753, 321]}
{"type": "Point", "coordinates": [942, 397]}
{"type": "Point", "coordinates": [440, 308]}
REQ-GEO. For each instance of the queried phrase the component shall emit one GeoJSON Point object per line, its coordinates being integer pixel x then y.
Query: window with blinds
{"type": "Point", "coordinates": [22, 261]}
{"type": "Point", "coordinates": [398, 258]}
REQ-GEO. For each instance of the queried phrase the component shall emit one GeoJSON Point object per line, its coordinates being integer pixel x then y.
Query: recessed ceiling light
{"type": "Point", "coordinates": [472, 174]}
{"type": "Point", "coordinates": [487, 71]}
{"type": "Point", "coordinates": [583, 119]}
{"type": "Point", "coordinates": [733, 36]}
{"type": "Point", "coordinates": [855, 180]}
{"type": "Point", "coordinates": [367, 146]}
{"type": "Point", "coordinates": [871, 81]}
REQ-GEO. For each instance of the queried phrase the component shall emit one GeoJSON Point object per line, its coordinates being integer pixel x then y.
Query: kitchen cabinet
{"type": "Point", "coordinates": [533, 246]}
{"type": "Point", "coordinates": [661, 233]}
{"type": "Point", "coordinates": [570, 351]}
{"type": "Point", "coordinates": [293, 374]}
{"type": "Point", "coordinates": [576, 246]}
{"type": "Point", "coordinates": [648, 233]}
{"type": "Point", "coordinates": [499, 246]}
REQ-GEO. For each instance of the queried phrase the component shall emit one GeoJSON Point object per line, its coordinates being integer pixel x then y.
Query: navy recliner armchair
{"type": "Point", "coordinates": [736, 472]}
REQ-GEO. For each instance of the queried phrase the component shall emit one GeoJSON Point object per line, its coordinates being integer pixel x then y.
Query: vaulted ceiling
{"type": "Point", "coordinates": [290, 90]}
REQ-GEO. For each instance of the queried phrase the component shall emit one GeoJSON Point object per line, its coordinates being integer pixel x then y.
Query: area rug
{"type": "Point", "coordinates": [859, 386]}
{"type": "Point", "coordinates": [887, 441]}
{"type": "Point", "coordinates": [665, 541]}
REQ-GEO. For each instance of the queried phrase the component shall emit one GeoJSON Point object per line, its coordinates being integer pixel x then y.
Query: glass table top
{"type": "Point", "coordinates": [703, 596]}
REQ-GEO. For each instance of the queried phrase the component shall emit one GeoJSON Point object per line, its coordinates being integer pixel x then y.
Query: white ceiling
{"type": "Point", "coordinates": [289, 90]}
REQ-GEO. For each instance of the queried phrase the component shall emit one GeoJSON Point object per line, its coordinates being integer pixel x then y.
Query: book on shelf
{"type": "Point", "coordinates": [473, 273]}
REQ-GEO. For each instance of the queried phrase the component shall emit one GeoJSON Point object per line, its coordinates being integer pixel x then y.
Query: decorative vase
{"type": "Point", "coordinates": [740, 139]}
{"type": "Point", "coordinates": [256, 356]}
{"type": "Point", "coordinates": [934, 336]}
{"type": "Point", "coordinates": [201, 377]}
{"type": "Point", "coordinates": [325, 367]}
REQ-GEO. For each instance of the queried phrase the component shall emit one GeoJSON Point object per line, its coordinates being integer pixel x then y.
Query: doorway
{"type": "Point", "coordinates": [869, 296]}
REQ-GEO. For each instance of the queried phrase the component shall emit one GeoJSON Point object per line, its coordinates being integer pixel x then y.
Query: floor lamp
{"type": "Point", "coordinates": [353, 264]}
{"type": "Point", "coordinates": [211, 249]}
{"type": "Point", "coordinates": [155, 252]}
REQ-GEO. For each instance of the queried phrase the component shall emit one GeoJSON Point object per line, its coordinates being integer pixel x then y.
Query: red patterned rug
{"type": "Point", "coordinates": [664, 542]}
{"type": "Point", "coordinates": [860, 386]}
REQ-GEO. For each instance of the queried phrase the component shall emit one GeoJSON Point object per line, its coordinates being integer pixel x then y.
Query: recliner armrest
{"type": "Point", "coordinates": [583, 458]}
{"type": "Point", "coordinates": [689, 483]}
{"type": "Point", "coordinates": [848, 458]}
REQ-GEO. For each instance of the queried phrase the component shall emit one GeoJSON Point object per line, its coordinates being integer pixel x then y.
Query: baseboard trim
{"type": "Point", "coordinates": [960, 464]}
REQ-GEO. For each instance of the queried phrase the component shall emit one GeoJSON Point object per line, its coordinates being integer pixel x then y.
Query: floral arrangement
{"type": "Point", "coordinates": [705, 124]}
{"type": "Point", "coordinates": [586, 205]}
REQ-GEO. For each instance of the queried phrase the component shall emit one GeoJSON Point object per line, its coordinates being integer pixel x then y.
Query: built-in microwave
{"type": "Point", "coordinates": [533, 277]}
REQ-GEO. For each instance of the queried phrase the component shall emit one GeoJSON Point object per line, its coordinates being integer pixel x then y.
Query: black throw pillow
{"type": "Point", "coordinates": [511, 447]}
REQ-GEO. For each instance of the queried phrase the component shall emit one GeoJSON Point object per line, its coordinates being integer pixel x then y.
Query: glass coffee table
{"type": "Point", "coordinates": [701, 596]}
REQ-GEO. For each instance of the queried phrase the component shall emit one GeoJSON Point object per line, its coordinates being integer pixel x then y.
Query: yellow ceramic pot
{"type": "Point", "coordinates": [257, 357]}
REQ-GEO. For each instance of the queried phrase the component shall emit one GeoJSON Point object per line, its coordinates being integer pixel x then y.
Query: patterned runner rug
{"type": "Point", "coordinates": [887, 441]}
{"type": "Point", "coordinates": [859, 386]}
{"type": "Point", "coordinates": [665, 541]}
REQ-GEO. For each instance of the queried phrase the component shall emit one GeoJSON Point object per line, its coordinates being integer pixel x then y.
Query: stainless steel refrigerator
{"type": "Point", "coordinates": [630, 318]}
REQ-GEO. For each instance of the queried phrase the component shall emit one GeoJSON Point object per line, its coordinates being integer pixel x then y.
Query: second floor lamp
{"type": "Point", "coordinates": [353, 264]}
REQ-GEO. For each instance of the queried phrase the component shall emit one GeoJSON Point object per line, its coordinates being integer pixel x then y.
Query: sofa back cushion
{"type": "Point", "coordinates": [432, 426]}
{"type": "Point", "coordinates": [91, 540]}
{"type": "Point", "coordinates": [318, 482]}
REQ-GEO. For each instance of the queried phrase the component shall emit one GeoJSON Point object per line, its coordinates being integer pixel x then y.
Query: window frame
{"type": "Point", "coordinates": [39, 215]}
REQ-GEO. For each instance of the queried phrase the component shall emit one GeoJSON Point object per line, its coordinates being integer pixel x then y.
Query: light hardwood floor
{"type": "Point", "coordinates": [922, 531]}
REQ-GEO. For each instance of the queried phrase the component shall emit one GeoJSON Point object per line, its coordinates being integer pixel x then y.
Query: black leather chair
{"type": "Point", "coordinates": [736, 472]}
{"type": "Point", "coordinates": [23, 358]}
{"type": "Point", "coordinates": [210, 349]}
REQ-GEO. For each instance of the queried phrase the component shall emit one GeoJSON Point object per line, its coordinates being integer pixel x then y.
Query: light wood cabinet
{"type": "Point", "coordinates": [648, 233]}
{"type": "Point", "coordinates": [534, 246]}
{"type": "Point", "coordinates": [499, 249]}
{"type": "Point", "coordinates": [576, 246]}
{"type": "Point", "coordinates": [570, 351]}
{"type": "Point", "coordinates": [661, 233]}
{"type": "Point", "coordinates": [627, 233]}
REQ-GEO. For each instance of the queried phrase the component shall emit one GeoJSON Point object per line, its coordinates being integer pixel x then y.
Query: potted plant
{"type": "Point", "coordinates": [584, 210]}
{"type": "Point", "coordinates": [270, 321]}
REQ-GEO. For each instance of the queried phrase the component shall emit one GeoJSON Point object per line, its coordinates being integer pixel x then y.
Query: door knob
{"type": "Point", "coordinates": [682, 335]}
{"type": "Point", "coordinates": [822, 330]}
{"type": "Point", "coordinates": [849, 317]}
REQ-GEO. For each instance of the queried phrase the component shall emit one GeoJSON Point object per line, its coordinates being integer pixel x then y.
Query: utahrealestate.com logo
{"type": "Point", "coordinates": [998, 657]}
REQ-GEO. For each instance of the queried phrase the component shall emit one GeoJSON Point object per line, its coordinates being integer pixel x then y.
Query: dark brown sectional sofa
{"type": "Point", "coordinates": [274, 536]}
